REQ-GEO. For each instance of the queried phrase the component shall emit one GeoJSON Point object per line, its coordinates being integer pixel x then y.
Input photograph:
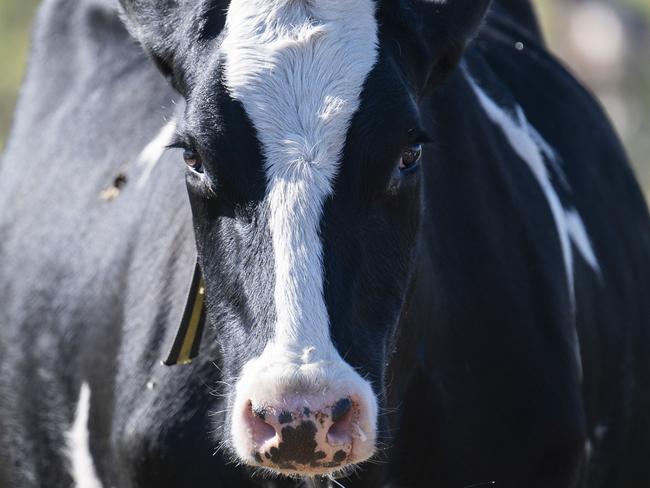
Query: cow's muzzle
{"type": "Point", "coordinates": [303, 419]}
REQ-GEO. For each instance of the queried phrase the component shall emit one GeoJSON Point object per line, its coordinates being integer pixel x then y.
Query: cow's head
{"type": "Point", "coordinates": [303, 137]}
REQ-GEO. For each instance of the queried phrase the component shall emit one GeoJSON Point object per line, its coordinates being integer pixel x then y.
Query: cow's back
{"type": "Point", "coordinates": [73, 301]}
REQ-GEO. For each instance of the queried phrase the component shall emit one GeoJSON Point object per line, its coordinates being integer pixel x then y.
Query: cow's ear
{"type": "Point", "coordinates": [438, 32]}
{"type": "Point", "coordinates": [173, 32]}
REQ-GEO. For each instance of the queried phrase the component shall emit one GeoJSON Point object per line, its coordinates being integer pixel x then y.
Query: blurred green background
{"type": "Point", "coordinates": [605, 42]}
{"type": "Point", "coordinates": [15, 22]}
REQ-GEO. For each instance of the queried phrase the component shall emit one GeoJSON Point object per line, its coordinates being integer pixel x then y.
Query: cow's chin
{"type": "Point", "coordinates": [298, 417]}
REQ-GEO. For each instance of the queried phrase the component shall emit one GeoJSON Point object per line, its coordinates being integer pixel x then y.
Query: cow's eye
{"type": "Point", "coordinates": [193, 160]}
{"type": "Point", "coordinates": [411, 157]}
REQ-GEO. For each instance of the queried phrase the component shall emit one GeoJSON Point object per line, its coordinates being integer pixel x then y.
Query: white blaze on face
{"type": "Point", "coordinates": [298, 68]}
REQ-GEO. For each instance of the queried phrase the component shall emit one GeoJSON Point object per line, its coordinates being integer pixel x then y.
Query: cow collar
{"type": "Point", "coordinates": [188, 338]}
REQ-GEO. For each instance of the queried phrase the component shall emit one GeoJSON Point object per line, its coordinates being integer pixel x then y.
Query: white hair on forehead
{"type": "Point", "coordinates": [298, 67]}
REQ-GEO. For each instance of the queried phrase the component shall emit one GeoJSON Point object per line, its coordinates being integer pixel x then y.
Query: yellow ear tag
{"type": "Point", "coordinates": [188, 338]}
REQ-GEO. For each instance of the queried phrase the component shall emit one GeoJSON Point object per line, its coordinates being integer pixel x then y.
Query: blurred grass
{"type": "Point", "coordinates": [15, 20]}
{"type": "Point", "coordinates": [643, 6]}
{"type": "Point", "coordinates": [625, 91]}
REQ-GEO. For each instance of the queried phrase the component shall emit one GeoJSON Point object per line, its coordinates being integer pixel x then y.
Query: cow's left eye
{"type": "Point", "coordinates": [193, 160]}
{"type": "Point", "coordinates": [411, 157]}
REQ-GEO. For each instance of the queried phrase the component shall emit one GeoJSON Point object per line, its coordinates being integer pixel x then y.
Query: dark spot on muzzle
{"type": "Point", "coordinates": [298, 445]}
{"type": "Point", "coordinates": [285, 418]}
{"type": "Point", "coordinates": [339, 456]}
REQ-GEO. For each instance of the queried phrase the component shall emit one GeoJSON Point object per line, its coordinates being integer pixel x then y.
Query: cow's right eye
{"type": "Point", "coordinates": [193, 160]}
{"type": "Point", "coordinates": [410, 157]}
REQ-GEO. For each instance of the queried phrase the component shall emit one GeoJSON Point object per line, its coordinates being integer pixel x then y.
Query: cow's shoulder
{"type": "Point", "coordinates": [591, 166]}
{"type": "Point", "coordinates": [539, 112]}
{"type": "Point", "coordinates": [518, 15]}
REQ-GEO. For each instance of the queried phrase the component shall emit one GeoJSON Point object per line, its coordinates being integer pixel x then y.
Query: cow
{"type": "Point", "coordinates": [282, 243]}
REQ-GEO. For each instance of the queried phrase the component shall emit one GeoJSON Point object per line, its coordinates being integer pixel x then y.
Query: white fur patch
{"type": "Point", "coordinates": [82, 468]}
{"type": "Point", "coordinates": [153, 151]}
{"type": "Point", "coordinates": [532, 148]}
{"type": "Point", "coordinates": [298, 67]}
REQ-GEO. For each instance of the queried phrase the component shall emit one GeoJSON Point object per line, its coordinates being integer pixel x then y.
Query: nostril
{"type": "Point", "coordinates": [261, 431]}
{"type": "Point", "coordinates": [341, 409]}
{"type": "Point", "coordinates": [340, 432]}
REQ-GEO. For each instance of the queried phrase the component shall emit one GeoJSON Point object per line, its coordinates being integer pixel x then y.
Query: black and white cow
{"type": "Point", "coordinates": [420, 242]}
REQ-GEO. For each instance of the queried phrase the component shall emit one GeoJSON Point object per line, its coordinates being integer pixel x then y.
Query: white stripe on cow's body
{"type": "Point", "coordinates": [298, 68]}
{"type": "Point", "coordinates": [154, 150]}
{"type": "Point", "coordinates": [82, 468]}
{"type": "Point", "coordinates": [531, 147]}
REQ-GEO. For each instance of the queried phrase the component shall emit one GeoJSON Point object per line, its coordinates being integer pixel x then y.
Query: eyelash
{"type": "Point", "coordinates": [178, 142]}
{"type": "Point", "coordinates": [191, 156]}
